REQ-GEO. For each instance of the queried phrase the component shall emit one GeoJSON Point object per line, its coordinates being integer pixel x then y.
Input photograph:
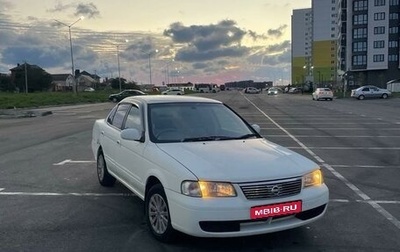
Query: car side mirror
{"type": "Point", "coordinates": [256, 127]}
{"type": "Point", "coordinates": [131, 134]}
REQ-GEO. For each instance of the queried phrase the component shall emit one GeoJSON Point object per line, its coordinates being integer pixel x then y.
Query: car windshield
{"type": "Point", "coordinates": [191, 122]}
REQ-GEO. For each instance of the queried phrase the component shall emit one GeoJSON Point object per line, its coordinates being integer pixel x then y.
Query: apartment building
{"type": "Point", "coordinates": [354, 43]}
{"type": "Point", "coordinates": [314, 44]}
{"type": "Point", "coordinates": [371, 42]}
{"type": "Point", "coordinates": [302, 46]}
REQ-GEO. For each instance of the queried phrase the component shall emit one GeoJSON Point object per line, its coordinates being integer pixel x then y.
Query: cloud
{"type": "Point", "coordinates": [88, 10]}
{"type": "Point", "coordinates": [207, 42]}
{"type": "Point", "coordinates": [275, 48]}
{"type": "Point", "coordinates": [277, 32]}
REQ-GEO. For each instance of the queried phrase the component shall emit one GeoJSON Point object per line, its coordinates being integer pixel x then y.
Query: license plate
{"type": "Point", "coordinates": [275, 210]}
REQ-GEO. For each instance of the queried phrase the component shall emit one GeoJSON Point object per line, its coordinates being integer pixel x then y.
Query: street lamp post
{"type": "Point", "coordinates": [119, 67]}
{"type": "Point", "coordinates": [149, 54]}
{"type": "Point", "coordinates": [119, 70]}
{"type": "Point", "coordinates": [70, 44]}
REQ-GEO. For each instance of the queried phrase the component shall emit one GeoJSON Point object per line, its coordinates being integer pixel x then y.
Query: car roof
{"type": "Point", "coordinates": [151, 99]}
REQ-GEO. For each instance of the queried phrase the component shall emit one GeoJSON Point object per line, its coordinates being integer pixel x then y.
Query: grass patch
{"type": "Point", "coordinates": [41, 99]}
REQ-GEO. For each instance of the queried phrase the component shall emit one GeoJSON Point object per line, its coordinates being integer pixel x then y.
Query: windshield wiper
{"type": "Point", "coordinates": [247, 136]}
{"type": "Point", "coordinates": [207, 138]}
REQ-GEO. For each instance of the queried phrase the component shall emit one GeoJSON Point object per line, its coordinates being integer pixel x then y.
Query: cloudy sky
{"type": "Point", "coordinates": [187, 40]}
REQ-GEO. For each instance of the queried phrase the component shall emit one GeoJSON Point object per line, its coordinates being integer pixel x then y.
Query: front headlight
{"type": "Point", "coordinates": [314, 178]}
{"type": "Point", "coordinates": [207, 189]}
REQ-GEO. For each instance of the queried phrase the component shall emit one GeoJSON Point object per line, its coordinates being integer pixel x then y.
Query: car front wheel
{"type": "Point", "coordinates": [157, 214]}
{"type": "Point", "coordinates": [384, 96]}
{"type": "Point", "coordinates": [361, 97]}
{"type": "Point", "coordinates": [104, 177]}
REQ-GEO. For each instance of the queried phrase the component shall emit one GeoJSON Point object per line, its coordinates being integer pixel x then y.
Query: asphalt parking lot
{"type": "Point", "coordinates": [51, 200]}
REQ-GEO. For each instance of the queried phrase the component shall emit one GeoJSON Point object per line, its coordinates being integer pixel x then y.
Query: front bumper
{"type": "Point", "coordinates": [230, 217]}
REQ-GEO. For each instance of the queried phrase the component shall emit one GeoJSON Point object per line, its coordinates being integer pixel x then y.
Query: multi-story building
{"type": "Point", "coordinates": [354, 43]}
{"type": "Point", "coordinates": [314, 44]}
{"type": "Point", "coordinates": [302, 46]}
{"type": "Point", "coordinates": [372, 42]}
{"type": "Point", "coordinates": [324, 46]}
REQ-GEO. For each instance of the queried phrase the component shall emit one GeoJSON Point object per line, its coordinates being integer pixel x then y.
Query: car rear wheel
{"type": "Point", "coordinates": [385, 96]}
{"type": "Point", "coordinates": [361, 97]}
{"type": "Point", "coordinates": [104, 177]}
{"type": "Point", "coordinates": [157, 214]}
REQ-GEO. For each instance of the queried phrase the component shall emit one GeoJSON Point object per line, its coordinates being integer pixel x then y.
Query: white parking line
{"type": "Point", "coordinates": [313, 129]}
{"type": "Point", "coordinates": [53, 194]}
{"type": "Point", "coordinates": [67, 194]}
{"type": "Point", "coordinates": [346, 148]}
{"type": "Point", "coordinates": [353, 187]}
{"type": "Point", "coordinates": [69, 161]}
{"type": "Point", "coordinates": [326, 136]}
{"type": "Point", "coordinates": [364, 166]}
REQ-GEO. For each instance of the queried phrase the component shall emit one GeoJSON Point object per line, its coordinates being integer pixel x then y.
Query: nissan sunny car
{"type": "Point", "coordinates": [203, 170]}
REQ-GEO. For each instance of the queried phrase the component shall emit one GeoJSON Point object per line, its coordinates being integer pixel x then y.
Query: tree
{"type": "Point", "coordinates": [38, 79]}
{"type": "Point", "coordinates": [6, 83]}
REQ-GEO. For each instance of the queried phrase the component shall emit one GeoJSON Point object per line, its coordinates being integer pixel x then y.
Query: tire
{"type": "Point", "coordinates": [157, 214]}
{"type": "Point", "coordinates": [385, 96]}
{"type": "Point", "coordinates": [105, 179]}
{"type": "Point", "coordinates": [361, 97]}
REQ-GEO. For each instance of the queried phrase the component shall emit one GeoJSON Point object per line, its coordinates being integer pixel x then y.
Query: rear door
{"type": "Point", "coordinates": [111, 137]}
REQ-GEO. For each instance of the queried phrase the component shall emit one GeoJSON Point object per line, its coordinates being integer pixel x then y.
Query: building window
{"type": "Point", "coordinates": [378, 57]}
{"type": "Point", "coordinates": [394, 30]}
{"type": "Point", "coordinates": [379, 16]}
{"type": "Point", "coordinates": [379, 2]}
{"type": "Point", "coordinates": [393, 2]}
{"type": "Point", "coordinates": [394, 16]}
{"type": "Point", "coordinates": [360, 46]}
{"type": "Point", "coordinates": [359, 60]}
{"type": "Point", "coordinates": [379, 44]}
{"type": "Point", "coordinates": [360, 5]}
{"type": "Point", "coordinates": [360, 19]}
{"type": "Point", "coordinates": [393, 44]}
{"type": "Point", "coordinates": [360, 33]}
{"type": "Point", "coordinates": [393, 57]}
{"type": "Point", "coordinates": [379, 30]}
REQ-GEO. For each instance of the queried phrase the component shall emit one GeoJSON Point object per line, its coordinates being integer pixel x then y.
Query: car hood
{"type": "Point", "coordinates": [238, 160]}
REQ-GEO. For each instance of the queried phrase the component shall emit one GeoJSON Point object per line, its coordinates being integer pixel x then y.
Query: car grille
{"type": "Point", "coordinates": [271, 189]}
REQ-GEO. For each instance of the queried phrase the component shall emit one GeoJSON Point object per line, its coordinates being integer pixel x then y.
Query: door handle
{"type": "Point", "coordinates": [118, 142]}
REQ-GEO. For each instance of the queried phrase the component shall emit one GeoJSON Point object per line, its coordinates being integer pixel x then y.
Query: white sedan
{"type": "Point", "coordinates": [252, 90]}
{"type": "Point", "coordinates": [204, 171]}
{"type": "Point", "coordinates": [173, 91]}
{"type": "Point", "coordinates": [322, 93]}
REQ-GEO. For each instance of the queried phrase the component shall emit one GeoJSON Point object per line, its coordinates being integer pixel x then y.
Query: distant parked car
{"type": "Point", "coordinates": [252, 90]}
{"type": "Point", "coordinates": [370, 92]}
{"type": "Point", "coordinates": [89, 89]}
{"type": "Point", "coordinates": [322, 93]}
{"type": "Point", "coordinates": [274, 91]}
{"type": "Point", "coordinates": [173, 91]}
{"type": "Point", "coordinates": [294, 90]}
{"type": "Point", "coordinates": [126, 93]}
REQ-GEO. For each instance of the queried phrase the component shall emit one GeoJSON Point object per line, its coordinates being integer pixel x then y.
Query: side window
{"type": "Point", "coordinates": [365, 89]}
{"type": "Point", "coordinates": [120, 115]}
{"type": "Point", "coordinates": [110, 116]}
{"type": "Point", "coordinates": [134, 119]}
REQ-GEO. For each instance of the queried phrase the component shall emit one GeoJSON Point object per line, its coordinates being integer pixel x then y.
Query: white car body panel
{"type": "Point", "coordinates": [235, 161]}
{"type": "Point", "coordinates": [238, 160]}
